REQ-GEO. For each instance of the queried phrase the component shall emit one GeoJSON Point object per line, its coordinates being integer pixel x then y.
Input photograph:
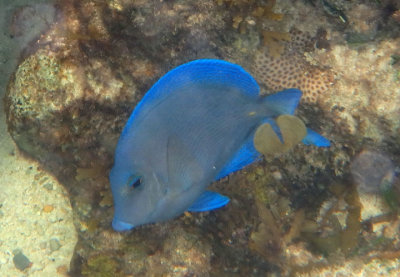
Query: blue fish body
{"type": "Point", "coordinates": [194, 126]}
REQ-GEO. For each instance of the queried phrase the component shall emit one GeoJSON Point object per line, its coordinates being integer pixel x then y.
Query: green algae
{"type": "Point", "coordinates": [293, 130]}
{"type": "Point", "coordinates": [261, 182]}
{"type": "Point", "coordinates": [346, 240]}
{"type": "Point", "coordinates": [395, 59]}
{"type": "Point", "coordinates": [349, 237]}
{"type": "Point", "coordinates": [331, 9]}
{"type": "Point", "coordinates": [265, 239]}
{"type": "Point", "coordinates": [356, 39]}
{"type": "Point", "coordinates": [261, 193]}
{"type": "Point", "coordinates": [279, 225]}
{"type": "Point", "coordinates": [391, 194]}
{"type": "Point", "coordinates": [101, 266]}
{"type": "Point", "coordinates": [273, 40]}
{"type": "Point", "coordinates": [248, 15]}
{"type": "Point", "coordinates": [266, 141]}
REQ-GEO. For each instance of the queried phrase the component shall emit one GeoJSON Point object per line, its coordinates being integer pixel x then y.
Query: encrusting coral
{"type": "Point", "coordinates": [250, 12]}
{"type": "Point", "coordinates": [281, 64]}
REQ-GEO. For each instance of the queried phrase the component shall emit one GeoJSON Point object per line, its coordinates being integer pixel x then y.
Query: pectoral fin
{"type": "Point", "coordinates": [209, 200]}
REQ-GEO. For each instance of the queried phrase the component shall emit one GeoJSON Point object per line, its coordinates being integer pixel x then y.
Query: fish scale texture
{"type": "Point", "coordinates": [199, 71]}
{"type": "Point", "coordinates": [193, 126]}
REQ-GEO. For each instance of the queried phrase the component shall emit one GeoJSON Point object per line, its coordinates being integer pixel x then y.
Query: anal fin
{"type": "Point", "coordinates": [246, 155]}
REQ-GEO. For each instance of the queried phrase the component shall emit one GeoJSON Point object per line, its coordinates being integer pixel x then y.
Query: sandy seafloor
{"type": "Point", "coordinates": [35, 212]}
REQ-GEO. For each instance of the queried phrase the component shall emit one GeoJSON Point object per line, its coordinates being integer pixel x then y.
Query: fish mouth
{"type": "Point", "coordinates": [121, 226]}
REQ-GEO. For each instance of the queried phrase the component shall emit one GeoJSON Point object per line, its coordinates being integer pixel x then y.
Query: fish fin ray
{"type": "Point", "coordinates": [246, 155]}
{"type": "Point", "coordinates": [283, 102]}
{"type": "Point", "coordinates": [210, 71]}
{"type": "Point", "coordinates": [207, 201]}
{"type": "Point", "coordinates": [316, 139]}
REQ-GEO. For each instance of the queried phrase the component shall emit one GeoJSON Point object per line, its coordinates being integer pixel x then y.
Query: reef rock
{"type": "Point", "coordinates": [77, 84]}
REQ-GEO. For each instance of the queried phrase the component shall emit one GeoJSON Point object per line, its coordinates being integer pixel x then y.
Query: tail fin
{"type": "Point", "coordinates": [316, 139]}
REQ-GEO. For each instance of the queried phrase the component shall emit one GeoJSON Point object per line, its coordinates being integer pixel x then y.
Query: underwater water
{"type": "Point", "coordinates": [73, 71]}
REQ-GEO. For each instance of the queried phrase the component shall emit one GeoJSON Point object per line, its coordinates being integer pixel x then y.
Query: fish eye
{"type": "Point", "coordinates": [134, 181]}
{"type": "Point", "coordinates": [137, 183]}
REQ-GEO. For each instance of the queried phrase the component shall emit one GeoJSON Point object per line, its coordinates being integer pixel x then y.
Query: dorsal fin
{"type": "Point", "coordinates": [183, 169]}
{"type": "Point", "coordinates": [209, 71]}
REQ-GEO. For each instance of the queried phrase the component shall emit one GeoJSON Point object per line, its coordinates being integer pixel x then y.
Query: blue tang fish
{"type": "Point", "coordinates": [194, 126]}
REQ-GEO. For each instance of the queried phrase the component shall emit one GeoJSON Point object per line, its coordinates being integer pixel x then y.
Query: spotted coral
{"type": "Point", "coordinates": [289, 68]}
